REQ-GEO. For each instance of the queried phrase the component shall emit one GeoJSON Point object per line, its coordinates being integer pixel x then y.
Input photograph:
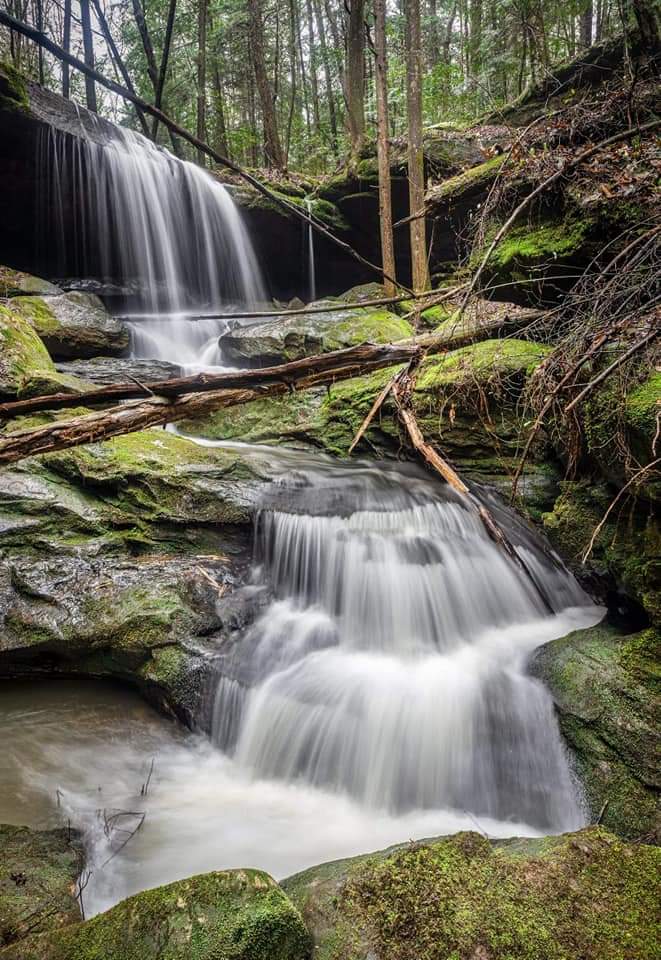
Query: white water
{"type": "Point", "coordinates": [312, 271]}
{"type": "Point", "coordinates": [161, 225]}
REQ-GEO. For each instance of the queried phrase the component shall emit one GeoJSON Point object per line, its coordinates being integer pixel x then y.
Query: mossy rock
{"type": "Point", "coordinates": [630, 411]}
{"type": "Point", "coordinates": [626, 551]}
{"type": "Point", "coordinates": [607, 691]}
{"type": "Point", "coordinates": [46, 382]}
{"type": "Point", "coordinates": [73, 325]}
{"type": "Point", "coordinates": [14, 283]}
{"type": "Point", "coordinates": [13, 89]}
{"type": "Point", "coordinates": [585, 894]}
{"type": "Point", "coordinates": [38, 870]}
{"type": "Point", "coordinates": [228, 915]}
{"type": "Point", "coordinates": [465, 186]}
{"type": "Point", "coordinates": [288, 338]}
{"type": "Point", "coordinates": [22, 354]}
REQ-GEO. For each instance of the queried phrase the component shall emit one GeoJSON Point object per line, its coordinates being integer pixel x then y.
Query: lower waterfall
{"type": "Point", "coordinates": [380, 696]}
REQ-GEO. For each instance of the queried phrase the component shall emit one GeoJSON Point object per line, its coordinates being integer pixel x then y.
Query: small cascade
{"type": "Point", "coordinates": [161, 226]}
{"type": "Point", "coordinates": [312, 273]}
{"type": "Point", "coordinates": [390, 666]}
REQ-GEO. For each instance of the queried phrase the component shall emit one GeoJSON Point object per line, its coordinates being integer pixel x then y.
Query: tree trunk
{"type": "Point", "coordinates": [355, 77]}
{"type": "Point", "coordinates": [314, 86]}
{"type": "Point", "coordinates": [383, 148]}
{"type": "Point", "coordinates": [202, 13]}
{"type": "Point", "coordinates": [222, 140]}
{"type": "Point", "coordinates": [165, 56]}
{"type": "Point", "coordinates": [586, 25]}
{"type": "Point", "coordinates": [88, 47]}
{"type": "Point", "coordinates": [330, 95]}
{"type": "Point", "coordinates": [648, 19]}
{"type": "Point", "coordinates": [121, 66]}
{"type": "Point", "coordinates": [141, 23]}
{"type": "Point", "coordinates": [272, 145]}
{"type": "Point", "coordinates": [416, 163]}
{"type": "Point", "coordinates": [475, 46]}
{"type": "Point", "coordinates": [292, 76]}
{"type": "Point", "coordinates": [40, 28]}
{"type": "Point", "coordinates": [66, 44]}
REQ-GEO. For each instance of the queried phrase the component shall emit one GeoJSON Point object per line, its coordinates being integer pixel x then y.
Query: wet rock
{"type": "Point", "coordinates": [583, 894]}
{"type": "Point", "coordinates": [14, 283]}
{"type": "Point", "coordinates": [73, 325]}
{"type": "Point", "coordinates": [22, 354]}
{"type": "Point", "coordinates": [237, 914]}
{"type": "Point", "coordinates": [107, 370]}
{"type": "Point", "coordinates": [605, 687]}
{"type": "Point", "coordinates": [38, 870]}
{"type": "Point", "coordinates": [283, 339]}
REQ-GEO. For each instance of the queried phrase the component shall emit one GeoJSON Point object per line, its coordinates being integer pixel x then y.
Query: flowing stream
{"type": "Point", "coordinates": [382, 693]}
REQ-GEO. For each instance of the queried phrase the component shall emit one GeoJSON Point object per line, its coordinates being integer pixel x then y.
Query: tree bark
{"type": "Point", "coordinates": [419, 265]}
{"type": "Point", "coordinates": [330, 96]}
{"type": "Point", "coordinates": [88, 47]}
{"type": "Point", "coordinates": [165, 56]}
{"type": "Point", "coordinates": [121, 66]}
{"type": "Point", "coordinates": [202, 11]}
{"type": "Point", "coordinates": [222, 140]}
{"type": "Point", "coordinates": [648, 19]}
{"type": "Point", "coordinates": [141, 23]}
{"type": "Point", "coordinates": [355, 77]}
{"type": "Point", "coordinates": [272, 145]}
{"type": "Point", "coordinates": [66, 44]}
{"type": "Point", "coordinates": [586, 25]}
{"type": "Point", "coordinates": [312, 53]}
{"type": "Point", "coordinates": [383, 148]}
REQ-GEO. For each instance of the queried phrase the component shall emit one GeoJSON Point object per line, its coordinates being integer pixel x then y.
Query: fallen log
{"type": "Point", "coordinates": [355, 360]}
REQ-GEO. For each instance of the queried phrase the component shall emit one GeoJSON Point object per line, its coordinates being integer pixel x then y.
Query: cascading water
{"type": "Point", "coordinates": [390, 665]}
{"type": "Point", "coordinates": [159, 225]}
{"type": "Point", "coordinates": [312, 270]}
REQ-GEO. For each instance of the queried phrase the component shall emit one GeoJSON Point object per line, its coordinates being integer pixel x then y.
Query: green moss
{"type": "Point", "coordinates": [13, 89]}
{"type": "Point", "coordinates": [464, 897]}
{"type": "Point", "coordinates": [368, 326]}
{"type": "Point", "coordinates": [475, 178]}
{"type": "Point", "coordinates": [46, 382]}
{"type": "Point", "coordinates": [482, 361]}
{"type": "Point", "coordinates": [530, 245]}
{"type": "Point", "coordinates": [229, 915]}
{"type": "Point", "coordinates": [606, 687]}
{"type": "Point", "coordinates": [22, 354]}
{"type": "Point", "coordinates": [627, 548]}
{"type": "Point", "coordinates": [14, 283]}
{"type": "Point", "coordinates": [38, 869]}
{"type": "Point", "coordinates": [642, 405]}
{"type": "Point", "coordinates": [37, 312]}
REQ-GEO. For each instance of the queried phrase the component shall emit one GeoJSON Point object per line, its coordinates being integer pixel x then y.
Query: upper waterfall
{"type": "Point", "coordinates": [163, 227]}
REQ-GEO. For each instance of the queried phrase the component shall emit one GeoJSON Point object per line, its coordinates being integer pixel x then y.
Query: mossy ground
{"type": "Point", "coordinates": [464, 897]}
{"type": "Point", "coordinates": [38, 869]}
{"type": "Point", "coordinates": [228, 915]}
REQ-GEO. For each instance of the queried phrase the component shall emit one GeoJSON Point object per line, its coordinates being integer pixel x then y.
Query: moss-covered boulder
{"type": "Point", "coordinates": [22, 354]}
{"type": "Point", "coordinates": [73, 325]}
{"type": "Point", "coordinates": [624, 556]}
{"type": "Point", "coordinates": [14, 283]}
{"type": "Point", "coordinates": [38, 870]}
{"type": "Point", "coordinates": [607, 691]}
{"type": "Point", "coordinates": [584, 894]}
{"type": "Point", "coordinates": [228, 915]}
{"type": "Point", "coordinates": [283, 339]}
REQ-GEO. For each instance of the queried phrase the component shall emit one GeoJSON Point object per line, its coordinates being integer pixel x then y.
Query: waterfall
{"type": "Point", "coordinates": [312, 273]}
{"type": "Point", "coordinates": [161, 227]}
{"type": "Point", "coordinates": [390, 665]}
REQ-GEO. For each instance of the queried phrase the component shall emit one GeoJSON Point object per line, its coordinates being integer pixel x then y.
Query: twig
{"type": "Point", "coordinates": [376, 406]}
{"type": "Point", "coordinates": [145, 787]}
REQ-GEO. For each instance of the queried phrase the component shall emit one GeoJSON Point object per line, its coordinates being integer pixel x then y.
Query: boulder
{"type": "Point", "coordinates": [14, 283]}
{"type": "Point", "coordinates": [38, 871]}
{"type": "Point", "coordinates": [73, 325]}
{"type": "Point", "coordinates": [584, 894]}
{"type": "Point", "coordinates": [104, 371]}
{"type": "Point", "coordinates": [227, 915]}
{"type": "Point", "coordinates": [22, 354]}
{"type": "Point", "coordinates": [605, 685]}
{"type": "Point", "coordinates": [283, 339]}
